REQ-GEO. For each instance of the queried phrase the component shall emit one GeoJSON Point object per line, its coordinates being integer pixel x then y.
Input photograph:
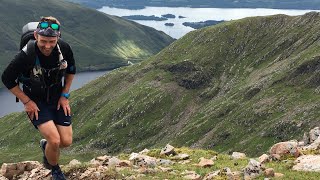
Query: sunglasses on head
{"type": "Point", "coordinates": [45, 25]}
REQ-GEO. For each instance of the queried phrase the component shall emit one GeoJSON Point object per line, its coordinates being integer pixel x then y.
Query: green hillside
{"type": "Point", "coordinates": [238, 86]}
{"type": "Point", "coordinates": [99, 41]}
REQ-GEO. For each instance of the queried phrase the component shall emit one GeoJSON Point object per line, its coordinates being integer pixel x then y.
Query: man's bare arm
{"type": "Point", "coordinates": [67, 83]}
{"type": "Point", "coordinates": [64, 102]}
{"type": "Point", "coordinates": [29, 106]}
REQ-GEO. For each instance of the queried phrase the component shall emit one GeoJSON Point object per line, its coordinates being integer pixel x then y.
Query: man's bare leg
{"type": "Point", "coordinates": [50, 132]}
{"type": "Point", "coordinates": [65, 133]}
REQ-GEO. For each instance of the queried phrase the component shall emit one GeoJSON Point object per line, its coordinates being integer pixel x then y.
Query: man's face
{"type": "Point", "coordinates": [46, 44]}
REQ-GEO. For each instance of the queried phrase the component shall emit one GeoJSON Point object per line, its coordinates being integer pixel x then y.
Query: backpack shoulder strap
{"type": "Point", "coordinates": [30, 49]}
{"type": "Point", "coordinates": [59, 51]}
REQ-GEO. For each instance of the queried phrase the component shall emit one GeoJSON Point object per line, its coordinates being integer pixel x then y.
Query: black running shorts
{"type": "Point", "coordinates": [49, 112]}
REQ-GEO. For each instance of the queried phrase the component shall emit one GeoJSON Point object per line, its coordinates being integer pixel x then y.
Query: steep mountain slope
{"type": "Point", "coordinates": [238, 86]}
{"type": "Point", "coordinates": [99, 41]}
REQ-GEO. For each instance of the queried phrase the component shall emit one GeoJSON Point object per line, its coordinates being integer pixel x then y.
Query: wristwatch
{"type": "Point", "coordinates": [66, 95]}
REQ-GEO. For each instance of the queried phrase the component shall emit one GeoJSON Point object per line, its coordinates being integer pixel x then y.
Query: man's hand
{"type": "Point", "coordinates": [64, 103]}
{"type": "Point", "coordinates": [32, 109]}
{"type": "Point", "coordinates": [30, 106]}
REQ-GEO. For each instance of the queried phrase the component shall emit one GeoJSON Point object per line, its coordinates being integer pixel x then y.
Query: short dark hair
{"type": "Point", "coordinates": [49, 19]}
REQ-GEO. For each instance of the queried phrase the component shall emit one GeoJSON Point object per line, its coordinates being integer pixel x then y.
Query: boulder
{"type": "Point", "coordinates": [184, 162]}
{"type": "Point", "coordinates": [278, 175]}
{"type": "Point", "coordinates": [112, 162]}
{"type": "Point", "coordinates": [3, 178]}
{"type": "Point", "coordinates": [133, 156]}
{"type": "Point", "coordinates": [168, 150]}
{"type": "Point", "coordinates": [275, 157]}
{"type": "Point", "coordinates": [145, 170]}
{"type": "Point", "coordinates": [191, 175]}
{"type": "Point", "coordinates": [315, 145]}
{"type": "Point", "coordinates": [102, 158]}
{"type": "Point", "coordinates": [314, 134]}
{"type": "Point", "coordinates": [306, 139]}
{"type": "Point", "coordinates": [269, 172]}
{"type": "Point", "coordinates": [165, 169]}
{"type": "Point", "coordinates": [212, 175]}
{"type": "Point", "coordinates": [165, 162]}
{"type": "Point", "coordinates": [145, 151]}
{"type": "Point", "coordinates": [307, 163]}
{"type": "Point", "coordinates": [144, 161]}
{"type": "Point", "coordinates": [253, 169]}
{"type": "Point", "coordinates": [301, 143]}
{"type": "Point", "coordinates": [37, 173]}
{"type": "Point", "coordinates": [238, 155]}
{"type": "Point", "coordinates": [227, 172]}
{"type": "Point", "coordinates": [30, 165]}
{"type": "Point", "coordinates": [181, 157]}
{"type": "Point", "coordinates": [205, 162]}
{"type": "Point", "coordinates": [74, 162]}
{"type": "Point", "coordinates": [285, 148]}
{"type": "Point", "coordinates": [237, 175]}
{"type": "Point", "coordinates": [98, 161]}
{"type": "Point", "coordinates": [95, 163]}
{"type": "Point", "coordinates": [264, 158]}
{"type": "Point", "coordinates": [124, 163]}
{"type": "Point", "coordinates": [93, 173]}
{"type": "Point", "coordinates": [221, 174]}
{"type": "Point", "coordinates": [10, 170]}
{"type": "Point", "coordinates": [214, 158]}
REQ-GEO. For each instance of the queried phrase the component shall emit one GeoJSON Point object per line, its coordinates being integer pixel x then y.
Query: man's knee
{"type": "Point", "coordinates": [54, 142]}
{"type": "Point", "coordinates": [66, 142]}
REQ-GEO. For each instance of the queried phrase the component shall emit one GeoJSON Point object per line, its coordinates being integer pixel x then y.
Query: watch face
{"type": "Point", "coordinates": [66, 95]}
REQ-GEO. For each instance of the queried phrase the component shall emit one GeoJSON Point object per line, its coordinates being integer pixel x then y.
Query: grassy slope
{"type": "Point", "coordinates": [99, 41]}
{"type": "Point", "coordinates": [237, 86]}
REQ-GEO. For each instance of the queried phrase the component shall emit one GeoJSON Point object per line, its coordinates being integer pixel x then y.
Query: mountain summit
{"type": "Point", "coordinates": [237, 86]}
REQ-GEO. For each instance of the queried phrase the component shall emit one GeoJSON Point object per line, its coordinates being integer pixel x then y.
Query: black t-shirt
{"type": "Point", "coordinates": [22, 66]}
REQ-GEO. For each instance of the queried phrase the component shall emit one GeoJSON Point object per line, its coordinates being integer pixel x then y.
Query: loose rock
{"type": "Point", "coordinates": [168, 150]}
{"type": "Point", "coordinates": [308, 163]}
{"type": "Point", "coordinates": [238, 155]}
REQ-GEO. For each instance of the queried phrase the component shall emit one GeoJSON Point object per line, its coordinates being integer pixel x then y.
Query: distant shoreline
{"type": "Point", "coordinates": [133, 5]}
{"type": "Point", "coordinates": [142, 17]}
{"type": "Point", "coordinates": [143, 7]}
{"type": "Point", "coordinates": [210, 6]}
